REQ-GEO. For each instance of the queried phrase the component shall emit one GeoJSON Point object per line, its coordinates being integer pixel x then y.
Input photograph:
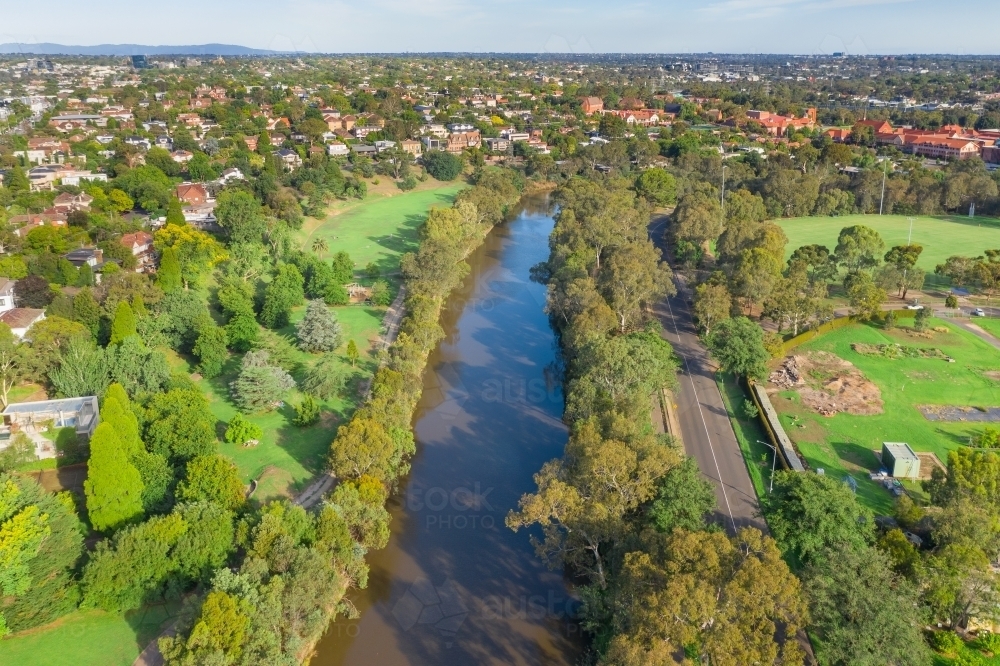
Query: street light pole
{"type": "Point", "coordinates": [724, 167]}
{"type": "Point", "coordinates": [774, 462]}
{"type": "Point", "coordinates": [885, 169]}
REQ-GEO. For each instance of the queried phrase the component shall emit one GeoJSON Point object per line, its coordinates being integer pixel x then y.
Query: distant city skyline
{"type": "Point", "coordinates": [855, 27]}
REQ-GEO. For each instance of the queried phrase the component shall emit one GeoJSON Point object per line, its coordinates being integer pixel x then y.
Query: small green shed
{"type": "Point", "coordinates": [900, 460]}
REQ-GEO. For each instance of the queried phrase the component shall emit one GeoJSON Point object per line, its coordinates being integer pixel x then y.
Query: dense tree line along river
{"type": "Point", "coordinates": [454, 585]}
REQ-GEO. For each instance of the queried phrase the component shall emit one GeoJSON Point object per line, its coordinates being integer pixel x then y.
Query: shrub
{"type": "Point", "coordinates": [947, 642]}
{"type": "Point", "coordinates": [407, 183]}
{"type": "Point", "coordinates": [951, 301]}
{"type": "Point", "coordinates": [987, 641]}
{"type": "Point", "coordinates": [307, 411]}
{"type": "Point", "coordinates": [442, 165]}
{"type": "Point", "coordinates": [241, 430]}
{"type": "Point", "coordinates": [750, 409]}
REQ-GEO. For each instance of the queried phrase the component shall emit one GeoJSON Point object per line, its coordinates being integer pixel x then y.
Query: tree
{"type": "Point", "coordinates": [859, 248]}
{"type": "Point", "coordinates": [730, 601]}
{"type": "Point", "coordinates": [738, 345]}
{"type": "Point", "coordinates": [810, 513]}
{"type": "Point", "coordinates": [352, 352]}
{"type": "Point", "coordinates": [168, 277]}
{"type": "Point", "coordinates": [865, 614]}
{"type": "Point", "coordinates": [180, 425]}
{"type": "Point", "coordinates": [48, 337]}
{"type": "Point", "coordinates": [33, 292]}
{"type": "Point", "coordinates": [284, 292]}
{"type": "Point", "coordinates": [698, 218]}
{"type": "Point", "coordinates": [82, 370]}
{"type": "Point", "coordinates": [197, 251]}
{"type": "Point", "coordinates": [326, 378]}
{"type": "Point", "coordinates": [137, 368]}
{"type": "Point", "coordinates": [794, 300]}
{"type": "Point", "coordinates": [210, 348]}
{"type": "Point", "coordinates": [442, 165]}
{"type": "Point", "coordinates": [343, 268]}
{"type": "Point", "coordinates": [86, 310]}
{"type": "Point", "coordinates": [219, 634]}
{"type": "Point", "coordinates": [124, 323]}
{"type": "Point", "coordinates": [320, 246]}
{"type": "Point", "coordinates": [259, 385]}
{"type": "Point", "coordinates": [17, 181]}
{"type": "Point", "coordinates": [319, 329]}
{"type": "Point", "coordinates": [683, 500]}
{"type": "Point", "coordinates": [11, 363]}
{"type": "Point", "coordinates": [712, 303]}
{"type": "Point", "coordinates": [866, 297]}
{"type": "Point", "coordinates": [241, 216]}
{"type": "Point", "coordinates": [242, 332]}
{"type": "Point", "coordinates": [114, 486]}
{"type": "Point", "coordinates": [363, 446]}
{"type": "Point", "coordinates": [336, 294]}
{"type": "Point", "coordinates": [306, 412]}
{"type": "Point", "coordinates": [175, 214]}
{"type": "Point", "coordinates": [380, 294]}
{"type": "Point", "coordinates": [240, 430]}
{"type": "Point", "coordinates": [657, 186]}
{"type": "Point", "coordinates": [212, 478]}
{"type": "Point", "coordinates": [632, 278]}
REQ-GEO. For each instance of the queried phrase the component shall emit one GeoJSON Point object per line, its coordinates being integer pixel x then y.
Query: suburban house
{"type": "Point", "coordinates": [20, 319]}
{"type": "Point", "coordinates": [140, 244]}
{"type": "Point", "coordinates": [181, 156]}
{"type": "Point", "coordinates": [231, 174]}
{"type": "Point", "coordinates": [91, 256]}
{"type": "Point", "coordinates": [192, 193]}
{"type": "Point", "coordinates": [363, 149]}
{"type": "Point", "coordinates": [251, 142]}
{"type": "Point", "coordinates": [497, 144]}
{"type": "Point", "coordinates": [411, 146]}
{"type": "Point", "coordinates": [289, 157]}
{"type": "Point", "coordinates": [67, 202]}
{"type": "Point", "coordinates": [6, 294]}
{"type": "Point", "coordinates": [337, 149]}
{"type": "Point", "coordinates": [591, 105]}
{"type": "Point", "coordinates": [433, 143]}
{"type": "Point", "coordinates": [35, 418]}
{"type": "Point", "coordinates": [779, 126]}
{"type": "Point", "coordinates": [948, 149]}
{"type": "Point", "coordinates": [459, 141]}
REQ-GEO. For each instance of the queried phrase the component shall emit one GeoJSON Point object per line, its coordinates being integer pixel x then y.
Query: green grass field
{"type": "Point", "coordinates": [845, 444]}
{"type": "Point", "coordinates": [88, 638]}
{"type": "Point", "coordinates": [941, 236]}
{"type": "Point", "coordinates": [379, 229]}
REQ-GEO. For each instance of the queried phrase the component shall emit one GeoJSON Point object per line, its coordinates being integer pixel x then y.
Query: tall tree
{"type": "Point", "coordinates": [168, 277]}
{"type": "Point", "coordinates": [114, 486]}
{"type": "Point", "coordinates": [124, 323]}
{"type": "Point", "coordinates": [633, 278]}
{"type": "Point", "coordinates": [712, 304]}
{"type": "Point", "coordinates": [284, 292]}
{"type": "Point", "coordinates": [859, 248]}
{"type": "Point", "coordinates": [241, 216]}
{"type": "Point", "coordinates": [210, 348]}
{"type": "Point", "coordinates": [738, 345]}
{"type": "Point", "coordinates": [319, 329]}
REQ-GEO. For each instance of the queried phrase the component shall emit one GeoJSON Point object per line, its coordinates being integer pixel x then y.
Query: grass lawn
{"type": "Point", "coordinates": [844, 444]}
{"type": "Point", "coordinates": [941, 236]}
{"type": "Point", "coordinates": [749, 433]}
{"type": "Point", "coordinates": [88, 638]}
{"type": "Point", "coordinates": [379, 229]}
{"type": "Point", "coordinates": [990, 325]}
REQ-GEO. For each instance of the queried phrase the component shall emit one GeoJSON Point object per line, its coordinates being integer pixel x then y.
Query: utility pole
{"type": "Point", "coordinates": [724, 167]}
{"type": "Point", "coordinates": [774, 462]}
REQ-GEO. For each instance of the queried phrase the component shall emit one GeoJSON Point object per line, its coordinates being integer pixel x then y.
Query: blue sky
{"type": "Point", "coordinates": [664, 26]}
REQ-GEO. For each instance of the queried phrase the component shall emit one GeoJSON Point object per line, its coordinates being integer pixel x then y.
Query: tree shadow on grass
{"type": "Point", "coordinates": [855, 455]}
{"type": "Point", "coordinates": [953, 437]}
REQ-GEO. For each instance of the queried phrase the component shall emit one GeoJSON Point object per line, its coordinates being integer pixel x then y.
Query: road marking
{"type": "Point", "coordinates": [701, 412]}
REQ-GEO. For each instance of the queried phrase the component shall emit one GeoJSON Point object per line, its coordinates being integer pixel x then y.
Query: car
{"type": "Point", "coordinates": [914, 306]}
{"type": "Point", "coordinates": [978, 312]}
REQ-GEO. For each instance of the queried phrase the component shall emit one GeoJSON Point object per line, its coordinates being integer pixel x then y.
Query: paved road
{"type": "Point", "coordinates": [705, 427]}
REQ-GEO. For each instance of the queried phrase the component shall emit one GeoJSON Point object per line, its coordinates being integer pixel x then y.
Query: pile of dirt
{"type": "Point", "coordinates": [828, 384]}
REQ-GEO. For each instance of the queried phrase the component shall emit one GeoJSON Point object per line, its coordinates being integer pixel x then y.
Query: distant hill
{"type": "Point", "coordinates": [132, 49]}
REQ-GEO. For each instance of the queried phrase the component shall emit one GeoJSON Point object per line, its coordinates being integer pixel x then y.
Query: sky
{"type": "Point", "coordinates": [857, 27]}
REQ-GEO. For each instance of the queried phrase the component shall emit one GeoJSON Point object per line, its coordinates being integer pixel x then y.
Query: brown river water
{"type": "Point", "coordinates": [454, 585]}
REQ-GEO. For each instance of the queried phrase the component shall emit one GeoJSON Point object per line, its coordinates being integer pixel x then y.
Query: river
{"type": "Point", "coordinates": [454, 585]}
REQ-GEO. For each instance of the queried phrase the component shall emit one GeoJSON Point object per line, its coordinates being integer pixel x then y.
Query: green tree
{"type": "Point", "coordinates": [212, 478]}
{"type": "Point", "coordinates": [380, 294]}
{"type": "Point", "coordinates": [859, 248]}
{"type": "Point", "coordinates": [632, 278]}
{"type": "Point", "coordinates": [137, 368]}
{"type": "Point", "coordinates": [336, 294]}
{"type": "Point", "coordinates": [738, 345]}
{"type": "Point", "coordinates": [810, 513]}
{"type": "Point", "coordinates": [175, 214]}
{"type": "Point", "coordinates": [712, 304]}
{"type": "Point", "coordinates": [441, 165]}
{"type": "Point", "coordinates": [683, 499]}
{"type": "Point", "coordinates": [168, 277]}
{"type": "Point", "coordinates": [306, 412]}
{"type": "Point", "coordinates": [657, 186]}
{"type": "Point", "coordinates": [319, 329]}
{"type": "Point", "coordinates": [180, 425]}
{"type": "Point", "coordinates": [33, 292]}
{"type": "Point", "coordinates": [17, 181]}
{"type": "Point", "coordinates": [114, 486]}
{"type": "Point", "coordinates": [343, 268]}
{"type": "Point", "coordinates": [352, 352]}
{"type": "Point", "coordinates": [82, 369]}
{"type": "Point", "coordinates": [241, 216]}
{"type": "Point", "coordinates": [865, 614]}
{"type": "Point", "coordinates": [242, 332]}
{"type": "Point", "coordinates": [240, 430]}
{"type": "Point", "coordinates": [284, 292]}
{"type": "Point", "coordinates": [210, 348]}
{"type": "Point", "coordinates": [11, 363]}
{"type": "Point", "coordinates": [866, 297]}
{"type": "Point", "coordinates": [326, 378]}
{"type": "Point", "coordinates": [259, 384]}
{"type": "Point", "coordinates": [698, 218]}
{"type": "Point", "coordinates": [124, 323]}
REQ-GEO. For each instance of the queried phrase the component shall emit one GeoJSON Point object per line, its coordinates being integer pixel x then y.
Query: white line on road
{"type": "Point", "coordinates": [701, 412]}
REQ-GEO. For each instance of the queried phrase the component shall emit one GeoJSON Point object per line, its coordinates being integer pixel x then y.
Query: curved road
{"type": "Point", "coordinates": [705, 427]}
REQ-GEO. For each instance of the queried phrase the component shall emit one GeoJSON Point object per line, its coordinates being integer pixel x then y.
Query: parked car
{"type": "Point", "coordinates": [978, 312]}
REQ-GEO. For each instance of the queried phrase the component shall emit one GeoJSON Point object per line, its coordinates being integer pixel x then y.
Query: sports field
{"type": "Point", "coordinates": [379, 229]}
{"type": "Point", "coordinates": [941, 236]}
{"type": "Point", "coordinates": [845, 444]}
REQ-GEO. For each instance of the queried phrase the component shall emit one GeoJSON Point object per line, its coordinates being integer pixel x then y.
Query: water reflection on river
{"type": "Point", "coordinates": [454, 585]}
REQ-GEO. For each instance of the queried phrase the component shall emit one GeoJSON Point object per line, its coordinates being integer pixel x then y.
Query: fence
{"type": "Point", "coordinates": [769, 417]}
{"type": "Point", "coordinates": [833, 325]}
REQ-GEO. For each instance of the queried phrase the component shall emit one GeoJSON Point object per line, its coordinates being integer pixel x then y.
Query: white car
{"type": "Point", "coordinates": [978, 312]}
{"type": "Point", "coordinates": [914, 306]}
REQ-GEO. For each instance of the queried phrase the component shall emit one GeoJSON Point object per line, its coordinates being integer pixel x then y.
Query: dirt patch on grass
{"type": "Point", "coordinates": [960, 413]}
{"type": "Point", "coordinates": [992, 374]}
{"type": "Point", "coordinates": [828, 385]}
